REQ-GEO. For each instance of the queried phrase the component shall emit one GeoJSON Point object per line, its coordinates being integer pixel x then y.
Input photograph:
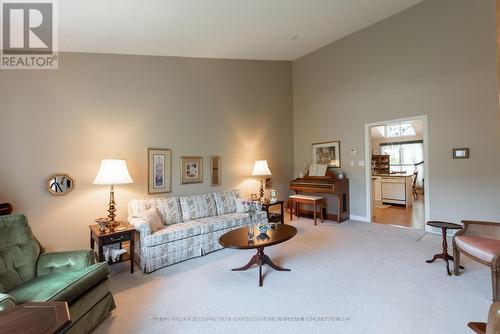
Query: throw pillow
{"type": "Point", "coordinates": [153, 217]}
{"type": "Point", "coordinates": [242, 205]}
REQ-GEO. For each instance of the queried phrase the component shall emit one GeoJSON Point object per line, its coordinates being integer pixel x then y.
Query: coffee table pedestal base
{"type": "Point", "coordinates": [260, 259]}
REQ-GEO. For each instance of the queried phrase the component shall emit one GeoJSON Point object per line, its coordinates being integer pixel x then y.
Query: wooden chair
{"type": "Point", "coordinates": [493, 325]}
{"type": "Point", "coordinates": [481, 242]}
{"type": "Point", "coordinates": [414, 185]}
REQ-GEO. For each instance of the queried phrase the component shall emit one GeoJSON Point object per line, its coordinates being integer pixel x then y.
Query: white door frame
{"type": "Point", "coordinates": [368, 172]}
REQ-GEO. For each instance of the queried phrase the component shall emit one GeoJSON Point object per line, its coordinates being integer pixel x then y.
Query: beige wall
{"type": "Point", "coordinates": [112, 106]}
{"type": "Point", "coordinates": [437, 58]}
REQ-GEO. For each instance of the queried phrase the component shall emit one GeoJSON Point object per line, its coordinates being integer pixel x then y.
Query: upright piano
{"type": "Point", "coordinates": [328, 184]}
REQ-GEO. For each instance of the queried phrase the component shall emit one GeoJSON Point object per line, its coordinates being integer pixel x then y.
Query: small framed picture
{"type": "Point", "coordinates": [460, 153]}
{"type": "Point", "coordinates": [327, 153]}
{"type": "Point", "coordinates": [269, 183]}
{"type": "Point", "coordinates": [191, 170]}
{"type": "Point", "coordinates": [159, 171]}
{"type": "Point", "coordinates": [215, 170]}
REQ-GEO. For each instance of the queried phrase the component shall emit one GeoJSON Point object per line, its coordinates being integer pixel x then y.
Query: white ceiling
{"type": "Point", "coordinates": [239, 29]}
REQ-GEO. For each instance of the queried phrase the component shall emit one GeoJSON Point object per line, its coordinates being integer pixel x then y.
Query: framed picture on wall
{"type": "Point", "coordinates": [326, 153]}
{"type": "Point", "coordinates": [215, 169]}
{"type": "Point", "coordinates": [191, 170]}
{"type": "Point", "coordinates": [159, 170]}
{"type": "Point", "coordinates": [268, 183]}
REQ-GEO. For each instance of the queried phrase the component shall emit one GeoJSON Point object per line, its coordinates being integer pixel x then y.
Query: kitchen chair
{"type": "Point", "coordinates": [414, 185]}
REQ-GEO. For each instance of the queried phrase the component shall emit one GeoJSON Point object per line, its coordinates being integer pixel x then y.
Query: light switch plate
{"type": "Point", "coordinates": [351, 163]}
{"type": "Point", "coordinates": [361, 163]}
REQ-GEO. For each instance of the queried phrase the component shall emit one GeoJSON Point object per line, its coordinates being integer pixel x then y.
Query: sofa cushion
{"type": "Point", "coordinates": [482, 248]}
{"type": "Point", "coordinates": [225, 201]}
{"type": "Point", "coordinates": [168, 207]}
{"type": "Point", "coordinates": [137, 207]}
{"type": "Point", "coordinates": [175, 232]}
{"type": "Point", "coordinates": [242, 205]}
{"type": "Point", "coordinates": [229, 220]}
{"type": "Point", "coordinates": [197, 206]}
{"type": "Point", "coordinates": [63, 286]}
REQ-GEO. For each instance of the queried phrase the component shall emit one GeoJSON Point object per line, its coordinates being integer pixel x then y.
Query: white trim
{"type": "Point", "coordinates": [359, 218]}
{"type": "Point", "coordinates": [368, 176]}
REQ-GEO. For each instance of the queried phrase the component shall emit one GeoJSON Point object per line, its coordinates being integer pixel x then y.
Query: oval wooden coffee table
{"type": "Point", "coordinates": [238, 239]}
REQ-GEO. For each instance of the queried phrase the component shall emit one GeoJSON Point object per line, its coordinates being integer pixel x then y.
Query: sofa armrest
{"type": "Point", "coordinates": [7, 302]}
{"type": "Point", "coordinates": [51, 262]}
{"type": "Point", "coordinates": [483, 229]}
{"type": "Point", "coordinates": [141, 225]}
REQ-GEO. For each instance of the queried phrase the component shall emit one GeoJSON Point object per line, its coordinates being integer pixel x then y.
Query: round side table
{"type": "Point", "coordinates": [444, 226]}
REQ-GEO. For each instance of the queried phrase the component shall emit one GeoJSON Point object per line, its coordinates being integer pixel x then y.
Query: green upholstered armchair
{"type": "Point", "coordinates": [29, 275]}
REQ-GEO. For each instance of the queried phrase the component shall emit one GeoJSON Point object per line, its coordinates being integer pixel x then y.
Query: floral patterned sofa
{"type": "Point", "coordinates": [192, 226]}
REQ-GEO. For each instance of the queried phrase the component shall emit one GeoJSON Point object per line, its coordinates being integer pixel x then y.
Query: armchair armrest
{"type": "Point", "coordinates": [141, 225]}
{"type": "Point", "coordinates": [61, 261]}
{"type": "Point", "coordinates": [483, 229]}
{"type": "Point", "coordinates": [7, 302]}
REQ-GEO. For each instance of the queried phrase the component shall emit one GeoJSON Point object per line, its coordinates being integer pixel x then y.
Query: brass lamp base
{"type": "Point", "coordinates": [112, 209]}
{"type": "Point", "coordinates": [261, 190]}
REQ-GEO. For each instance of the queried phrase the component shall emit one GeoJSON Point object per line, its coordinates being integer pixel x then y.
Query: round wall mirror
{"type": "Point", "coordinates": [60, 184]}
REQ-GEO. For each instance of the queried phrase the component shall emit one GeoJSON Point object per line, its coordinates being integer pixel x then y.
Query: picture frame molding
{"type": "Point", "coordinates": [168, 172]}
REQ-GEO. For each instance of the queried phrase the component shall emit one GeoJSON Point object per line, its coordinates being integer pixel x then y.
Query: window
{"type": "Point", "coordinates": [400, 130]}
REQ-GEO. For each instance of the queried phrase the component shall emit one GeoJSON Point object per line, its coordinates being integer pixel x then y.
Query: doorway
{"type": "Point", "coordinates": [396, 160]}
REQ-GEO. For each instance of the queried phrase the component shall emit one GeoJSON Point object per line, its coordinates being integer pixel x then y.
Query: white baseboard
{"type": "Point", "coordinates": [359, 218]}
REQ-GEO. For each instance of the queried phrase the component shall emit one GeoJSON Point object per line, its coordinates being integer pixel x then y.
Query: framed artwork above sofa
{"type": "Point", "coordinates": [191, 170]}
{"type": "Point", "coordinates": [159, 170]}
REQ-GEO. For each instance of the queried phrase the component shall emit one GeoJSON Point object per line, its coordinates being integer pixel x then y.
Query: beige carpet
{"type": "Point", "coordinates": [348, 278]}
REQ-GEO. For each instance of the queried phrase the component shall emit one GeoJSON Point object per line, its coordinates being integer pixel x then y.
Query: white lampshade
{"type": "Point", "coordinates": [113, 171]}
{"type": "Point", "coordinates": [260, 168]}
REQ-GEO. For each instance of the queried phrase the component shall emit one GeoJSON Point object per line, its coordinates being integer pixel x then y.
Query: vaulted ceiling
{"type": "Point", "coordinates": [238, 29]}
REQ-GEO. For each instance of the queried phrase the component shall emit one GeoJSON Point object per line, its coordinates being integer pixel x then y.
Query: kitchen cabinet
{"type": "Point", "coordinates": [394, 189]}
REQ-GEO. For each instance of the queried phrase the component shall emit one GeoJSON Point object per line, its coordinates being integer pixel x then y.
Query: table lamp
{"type": "Point", "coordinates": [111, 173]}
{"type": "Point", "coordinates": [261, 169]}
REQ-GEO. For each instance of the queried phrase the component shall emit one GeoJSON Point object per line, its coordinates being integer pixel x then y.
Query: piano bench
{"type": "Point", "coordinates": [315, 201]}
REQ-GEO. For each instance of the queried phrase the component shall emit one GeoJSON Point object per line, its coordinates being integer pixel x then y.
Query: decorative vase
{"type": "Point", "coordinates": [251, 229]}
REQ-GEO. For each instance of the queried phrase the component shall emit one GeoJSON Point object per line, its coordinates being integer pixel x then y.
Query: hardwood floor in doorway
{"type": "Point", "coordinates": [413, 217]}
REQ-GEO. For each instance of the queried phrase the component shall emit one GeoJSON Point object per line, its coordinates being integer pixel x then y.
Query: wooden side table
{"type": "Point", "coordinates": [36, 318]}
{"type": "Point", "coordinates": [122, 233]}
{"type": "Point", "coordinates": [444, 226]}
{"type": "Point", "coordinates": [274, 217]}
